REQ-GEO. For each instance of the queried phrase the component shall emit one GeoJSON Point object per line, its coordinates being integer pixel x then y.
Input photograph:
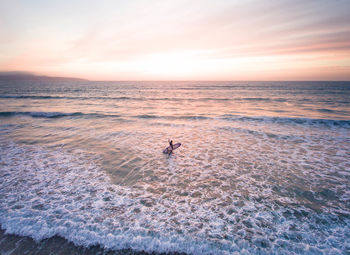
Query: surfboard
{"type": "Point", "coordinates": [167, 150]}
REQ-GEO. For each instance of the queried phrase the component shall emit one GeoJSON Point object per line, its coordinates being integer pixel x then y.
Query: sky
{"type": "Point", "coordinates": [177, 39]}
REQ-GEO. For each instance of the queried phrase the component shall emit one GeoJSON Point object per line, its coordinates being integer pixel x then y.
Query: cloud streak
{"type": "Point", "coordinates": [178, 40]}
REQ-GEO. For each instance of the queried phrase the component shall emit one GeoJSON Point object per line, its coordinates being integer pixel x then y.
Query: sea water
{"type": "Point", "coordinates": [264, 167]}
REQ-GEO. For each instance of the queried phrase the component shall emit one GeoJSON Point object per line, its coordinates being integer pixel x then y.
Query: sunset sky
{"type": "Point", "coordinates": [177, 39]}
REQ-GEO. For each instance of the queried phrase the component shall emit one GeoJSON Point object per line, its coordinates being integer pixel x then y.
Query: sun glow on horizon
{"type": "Point", "coordinates": [183, 40]}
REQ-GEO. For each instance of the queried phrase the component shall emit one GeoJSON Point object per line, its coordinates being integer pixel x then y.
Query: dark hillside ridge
{"type": "Point", "coordinates": [20, 76]}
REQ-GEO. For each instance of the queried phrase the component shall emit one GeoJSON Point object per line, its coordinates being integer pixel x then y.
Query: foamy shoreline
{"type": "Point", "coordinates": [15, 244]}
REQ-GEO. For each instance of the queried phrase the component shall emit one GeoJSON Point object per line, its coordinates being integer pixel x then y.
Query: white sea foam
{"type": "Point", "coordinates": [46, 192]}
{"type": "Point", "coordinates": [267, 174]}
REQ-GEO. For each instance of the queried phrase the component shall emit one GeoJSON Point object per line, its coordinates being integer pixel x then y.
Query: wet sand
{"type": "Point", "coordinates": [15, 245]}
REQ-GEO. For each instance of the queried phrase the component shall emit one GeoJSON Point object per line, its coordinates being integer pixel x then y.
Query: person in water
{"type": "Point", "coordinates": [171, 146]}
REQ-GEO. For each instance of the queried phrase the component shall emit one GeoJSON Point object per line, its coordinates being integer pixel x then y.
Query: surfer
{"type": "Point", "coordinates": [171, 146]}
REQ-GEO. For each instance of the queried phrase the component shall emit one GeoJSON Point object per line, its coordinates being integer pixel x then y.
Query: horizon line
{"type": "Point", "coordinates": [31, 74]}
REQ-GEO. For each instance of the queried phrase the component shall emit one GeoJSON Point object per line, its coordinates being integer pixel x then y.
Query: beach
{"type": "Point", "coordinates": [263, 167]}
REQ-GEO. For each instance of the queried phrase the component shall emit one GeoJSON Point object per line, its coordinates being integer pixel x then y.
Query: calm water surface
{"type": "Point", "coordinates": [263, 167]}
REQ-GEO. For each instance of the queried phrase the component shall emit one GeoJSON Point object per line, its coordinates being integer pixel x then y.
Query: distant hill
{"type": "Point", "coordinates": [21, 76]}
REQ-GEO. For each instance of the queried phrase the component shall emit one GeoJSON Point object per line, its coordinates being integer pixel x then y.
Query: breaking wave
{"type": "Point", "coordinates": [226, 117]}
{"type": "Point", "coordinates": [40, 114]}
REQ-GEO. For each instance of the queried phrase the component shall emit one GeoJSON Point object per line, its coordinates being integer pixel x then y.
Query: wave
{"type": "Point", "coordinates": [30, 97]}
{"type": "Point", "coordinates": [256, 99]}
{"type": "Point", "coordinates": [287, 120]}
{"type": "Point", "coordinates": [225, 117]}
{"type": "Point", "coordinates": [57, 114]}
{"type": "Point", "coordinates": [98, 115]}
{"type": "Point", "coordinates": [327, 110]}
{"type": "Point", "coordinates": [66, 97]}
{"type": "Point", "coordinates": [142, 98]}
{"type": "Point", "coordinates": [147, 116]}
{"type": "Point", "coordinates": [279, 120]}
{"type": "Point", "coordinates": [185, 117]}
{"type": "Point", "coordinates": [40, 114]}
{"type": "Point", "coordinates": [239, 118]}
{"type": "Point", "coordinates": [52, 115]}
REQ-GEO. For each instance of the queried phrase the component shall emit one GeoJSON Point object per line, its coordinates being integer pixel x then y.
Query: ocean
{"type": "Point", "coordinates": [264, 167]}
